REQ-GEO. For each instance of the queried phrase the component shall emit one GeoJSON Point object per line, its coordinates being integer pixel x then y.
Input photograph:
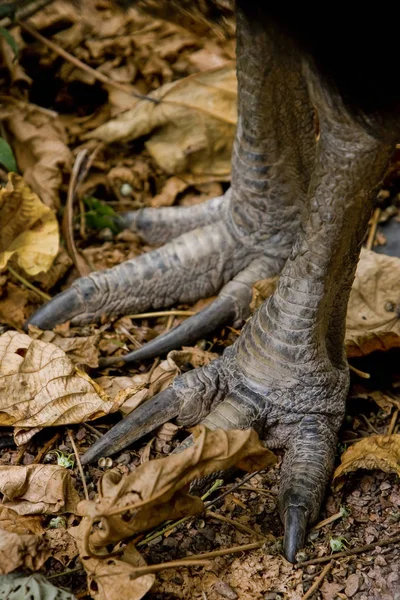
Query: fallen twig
{"type": "Point", "coordinates": [79, 261]}
{"type": "Point", "coordinates": [48, 446]}
{"type": "Point", "coordinates": [242, 528]}
{"type": "Point", "coordinates": [79, 464]}
{"type": "Point", "coordinates": [318, 581]}
{"type": "Point", "coordinates": [195, 559]}
{"type": "Point", "coordinates": [28, 284]}
{"type": "Point", "coordinates": [350, 552]}
{"type": "Point", "coordinates": [373, 227]}
{"type": "Point", "coordinates": [163, 313]}
{"type": "Point", "coordinates": [81, 65]}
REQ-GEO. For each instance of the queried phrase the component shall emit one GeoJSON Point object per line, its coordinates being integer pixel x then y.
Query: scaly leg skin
{"type": "Point", "coordinates": [287, 375]}
{"type": "Point", "coordinates": [228, 243]}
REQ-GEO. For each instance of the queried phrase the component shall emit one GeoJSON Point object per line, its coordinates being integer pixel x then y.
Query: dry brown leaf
{"type": "Point", "coordinates": [192, 128]}
{"type": "Point", "coordinates": [62, 544]}
{"type": "Point", "coordinates": [41, 387]}
{"type": "Point", "coordinates": [28, 228]}
{"type": "Point", "coordinates": [262, 289]}
{"type": "Point", "coordinates": [21, 552]}
{"type": "Point", "coordinates": [58, 269]}
{"type": "Point", "coordinates": [14, 304]}
{"type": "Point", "coordinates": [141, 389]}
{"type": "Point", "coordinates": [370, 326]}
{"type": "Point", "coordinates": [158, 490]}
{"type": "Point", "coordinates": [112, 578]}
{"type": "Point", "coordinates": [40, 146]}
{"type": "Point", "coordinates": [14, 523]}
{"type": "Point", "coordinates": [38, 489]}
{"type": "Point", "coordinates": [81, 350]}
{"type": "Point", "coordinates": [373, 452]}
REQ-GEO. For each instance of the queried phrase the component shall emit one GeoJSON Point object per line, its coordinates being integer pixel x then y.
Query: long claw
{"type": "Point", "coordinates": [296, 521]}
{"type": "Point", "coordinates": [221, 311]}
{"type": "Point", "coordinates": [150, 415]}
{"type": "Point", "coordinates": [306, 469]}
{"type": "Point", "coordinates": [61, 308]}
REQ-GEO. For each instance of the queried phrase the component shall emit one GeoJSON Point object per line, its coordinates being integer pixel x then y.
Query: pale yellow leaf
{"type": "Point", "coordinates": [373, 452]}
{"type": "Point", "coordinates": [38, 489]}
{"type": "Point", "coordinates": [41, 387]}
{"type": "Point", "coordinates": [191, 128]}
{"type": "Point", "coordinates": [373, 321]}
{"type": "Point", "coordinates": [28, 228]}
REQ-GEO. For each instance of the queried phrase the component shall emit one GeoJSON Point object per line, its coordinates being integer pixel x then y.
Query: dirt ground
{"type": "Point", "coordinates": [144, 53]}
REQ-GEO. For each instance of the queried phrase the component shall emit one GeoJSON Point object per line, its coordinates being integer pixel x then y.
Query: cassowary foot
{"type": "Point", "coordinates": [286, 414]}
{"type": "Point", "coordinates": [205, 257]}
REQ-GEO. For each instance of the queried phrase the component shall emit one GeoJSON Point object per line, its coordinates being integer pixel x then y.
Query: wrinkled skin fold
{"type": "Point", "coordinates": [298, 207]}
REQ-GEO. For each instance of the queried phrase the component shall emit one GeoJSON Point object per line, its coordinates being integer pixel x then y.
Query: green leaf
{"type": "Point", "coordinates": [100, 215]}
{"type": "Point", "coordinates": [10, 40]}
{"type": "Point", "coordinates": [7, 157]}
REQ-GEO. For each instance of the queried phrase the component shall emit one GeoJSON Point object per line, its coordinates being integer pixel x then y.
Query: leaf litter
{"type": "Point", "coordinates": [175, 148]}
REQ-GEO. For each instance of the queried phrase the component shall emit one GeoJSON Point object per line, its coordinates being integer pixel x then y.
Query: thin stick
{"type": "Point", "coordinates": [170, 525]}
{"type": "Point", "coordinates": [81, 65]}
{"type": "Point", "coordinates": [239, 526]}
{"type": "Point", "coordinates": [163, 313]}
{"type": "Point", "coordinates": [25, 12]}
{"type": "Point", "coordinates": [92, 430]}
{"type": "Point", "coordinates": [78, 462]}
{"type": "Point", "coordinates": [351, 552]}
{"type": "Point", "coordinates": [193, 560]}
{"type": "Point", "coordinates": [373, 228]}
{"type": "Point", "coordinates": [361, 374]}
{"type": "Point", "coordinates": [231, 489]}
{"type": "Point", "coordinates": [330, 519]}
{"type": "Point", "coordinates": [43, 451]}
{"type": "Point", "coordinates": [79, 261]}
{"type": "Point", "coordinates": [315, 586]}
{"type": "Point", "coordinates": [393, 422]}
{"type": "Point", "coordinates": [28, 284]}
{"type": "Point", "coordinates": [67, 572]}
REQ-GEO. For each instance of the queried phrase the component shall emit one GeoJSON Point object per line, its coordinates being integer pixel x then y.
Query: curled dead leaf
{"type": "Point", "coordinates": [41, 387]}
{"type": "Point", "coordinates": [81, 350]}
{"type": "Point", "coordinates": [112, 578]}
{"type": "Point", "coordinates": [374, 452]}
{"type": "Point", "coordinates": [21, 552]}
{"type": "Point", "coordinates": [139, 388]}
{"type": "Point", "coordinates": [39, 143]}
{"type": "Point", "coordinates": [192, 126]}
{"type": "Point", "coordinates": [373, 321]}
{"type": "Point", "coordinates": [15, 523]}
{"type": "Point", "coordinates": [158, 490]}
{"type": "Point", "coordinates": [38, 489]}
{"type": "Point", "coordinates": [28, 228]}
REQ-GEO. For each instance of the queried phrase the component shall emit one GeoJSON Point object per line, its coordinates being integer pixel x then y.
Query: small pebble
{"type": "Point", "coordinates": [126, 189]}
{"type": "Point", "coordinates": [225, 590]}
{"type": "Point", "coordinates": [156, 541]}
{"type": "Point", "coordinates": [352, 585]}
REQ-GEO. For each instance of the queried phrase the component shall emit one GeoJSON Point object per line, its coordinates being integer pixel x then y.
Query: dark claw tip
{"type": "Point", "coordinates": [296, 521]}
{"type": "Point", "coordinates": [61, 308]}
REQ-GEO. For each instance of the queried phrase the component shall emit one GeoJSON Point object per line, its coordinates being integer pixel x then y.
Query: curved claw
{"type": "Point", "coordinates": [150, 415]}
{"type": "Point", "coordinates": [221, 311]}
{"type": "Point", "coordinates": [295, 523]}
{"type": "Point", "coordinates": [306, 469]}
{"type": "Point", "coordinates": [63, 307]}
